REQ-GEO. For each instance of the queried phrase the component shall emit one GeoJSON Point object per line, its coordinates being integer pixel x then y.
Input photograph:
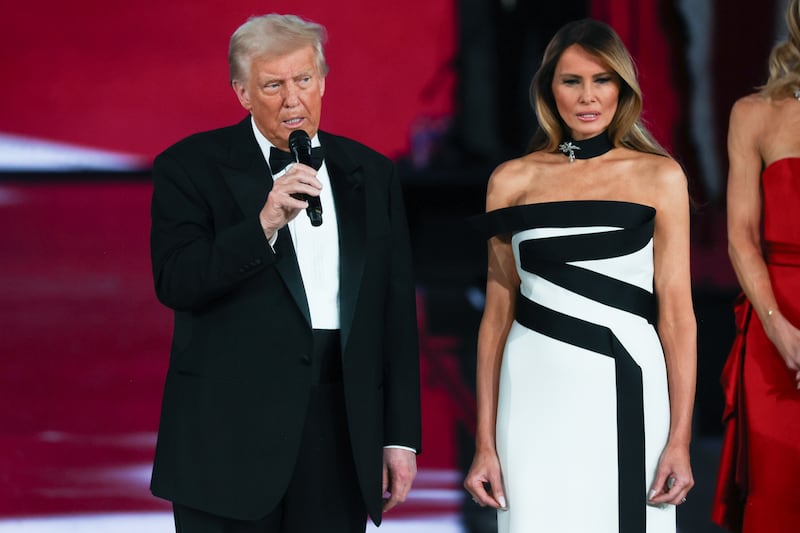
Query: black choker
{"type": "Point", "coordinates": [587, 148]}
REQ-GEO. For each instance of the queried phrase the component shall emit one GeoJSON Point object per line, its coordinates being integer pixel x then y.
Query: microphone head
{"type": "Point", "coordinates": [299, 140]}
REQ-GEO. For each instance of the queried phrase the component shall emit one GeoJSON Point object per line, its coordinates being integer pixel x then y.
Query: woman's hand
{"type": "Point", "coordinates": [786, 339]}
{"type": "Point", "coordinates": [673, 477]}
{"type": "Point", "coordinates": [485, 470]}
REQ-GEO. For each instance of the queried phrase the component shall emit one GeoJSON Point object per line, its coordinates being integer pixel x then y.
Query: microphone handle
{"type": "Point", "coordinates": [314, 209]}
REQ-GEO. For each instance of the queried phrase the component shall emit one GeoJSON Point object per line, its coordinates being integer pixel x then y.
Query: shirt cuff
{"type": "Point", "coordinates": [401, 447]}
{"type": "Point", "coordinates": [273, 240]}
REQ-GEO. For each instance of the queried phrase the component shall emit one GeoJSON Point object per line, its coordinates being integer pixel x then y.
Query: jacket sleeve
{"type": "Point", "coordinates": [200, 249]}
{"type": "Point", "coordinates": [401, 379]}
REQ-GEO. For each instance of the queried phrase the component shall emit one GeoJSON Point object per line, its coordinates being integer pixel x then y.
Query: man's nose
{"type": "Point", "coordinates": [290, 96]}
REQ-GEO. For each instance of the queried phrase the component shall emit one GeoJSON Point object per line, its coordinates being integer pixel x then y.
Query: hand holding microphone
{"type": "Point", "coordinates": [292, 193]}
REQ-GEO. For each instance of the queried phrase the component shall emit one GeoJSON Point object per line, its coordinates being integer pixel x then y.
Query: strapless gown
{"type": "Point", "coordinates": [583, 408]}
{"type": "Point", "coordinates": [771, 418]}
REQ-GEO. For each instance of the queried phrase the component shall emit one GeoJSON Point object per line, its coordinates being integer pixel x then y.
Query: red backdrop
{"type": "Point", "coordinates": [134, 77]}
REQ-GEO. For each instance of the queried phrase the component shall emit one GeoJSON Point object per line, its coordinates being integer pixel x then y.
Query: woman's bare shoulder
{"type": "Point", "coordinates": [511, 179]}
{"type": "Point", "coordinates": [657, 177]}
{"type": "Point", "coordinates": [751, 101]}
{"type": "Point", "coordinates": [671, 186]}
{"type": "Point", "coordinates": [523, 165]}
{"type": "Point", "coordinates": [753, 109]}
{"type": "Point", "coordinates": [658, 166]}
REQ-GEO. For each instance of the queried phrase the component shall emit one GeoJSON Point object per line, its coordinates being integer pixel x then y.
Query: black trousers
{"type": "Point", "coordinates": [323, 495]}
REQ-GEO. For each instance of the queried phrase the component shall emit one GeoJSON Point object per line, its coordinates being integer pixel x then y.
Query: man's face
{"type": "Point", "coordinates": [283, 93]}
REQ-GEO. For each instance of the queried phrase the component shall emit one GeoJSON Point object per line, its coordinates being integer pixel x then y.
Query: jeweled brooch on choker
{"type": "Point", "coordinates": [569, 148]}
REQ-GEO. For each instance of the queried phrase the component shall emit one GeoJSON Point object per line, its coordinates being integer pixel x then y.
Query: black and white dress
{"type": "Point", "coordinates": [583, 408]}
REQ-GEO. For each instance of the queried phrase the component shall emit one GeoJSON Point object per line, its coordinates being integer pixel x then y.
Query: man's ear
{"type": "Point", "coordinates": [241, 93]}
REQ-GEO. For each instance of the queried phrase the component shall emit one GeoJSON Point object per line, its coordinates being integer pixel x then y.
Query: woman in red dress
{"type": "Point", "coordinates": [760, 473]}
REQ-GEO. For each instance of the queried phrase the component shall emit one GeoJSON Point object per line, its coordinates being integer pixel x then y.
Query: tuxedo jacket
{"type": "Point", "coordinates": [239, 375]}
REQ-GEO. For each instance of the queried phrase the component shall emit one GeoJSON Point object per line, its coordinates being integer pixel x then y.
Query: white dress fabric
{"type": "Point", "coordinates": [583, 407]}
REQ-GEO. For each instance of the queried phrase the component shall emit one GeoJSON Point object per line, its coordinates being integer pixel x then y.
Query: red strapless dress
{"type": "Point", "coordinates": [761, 450]}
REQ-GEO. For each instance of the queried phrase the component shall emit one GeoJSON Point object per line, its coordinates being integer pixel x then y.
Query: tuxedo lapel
{"type": "Point", "coordinates": [289, 270]}
{"type": "Point", "coordinates": [348, 195]}
{"type": "Point", "coordinates": [250, 181]}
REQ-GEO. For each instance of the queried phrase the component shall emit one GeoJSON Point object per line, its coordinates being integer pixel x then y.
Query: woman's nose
{"type": "Point", "coordinates": [587, 93]}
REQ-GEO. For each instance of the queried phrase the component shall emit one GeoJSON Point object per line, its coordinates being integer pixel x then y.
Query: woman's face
{"type": "Point", "coordinates": [586, 92]}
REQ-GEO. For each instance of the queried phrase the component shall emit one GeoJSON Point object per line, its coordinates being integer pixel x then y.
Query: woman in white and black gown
{"type": "Point", "coordinates": [587, 345]}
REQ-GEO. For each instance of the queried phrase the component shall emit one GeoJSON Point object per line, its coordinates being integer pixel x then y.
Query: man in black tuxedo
{"type": "Point", "coordinates": [291, 401]}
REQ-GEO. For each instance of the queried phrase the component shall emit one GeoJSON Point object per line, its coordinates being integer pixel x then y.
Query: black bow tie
{"type": "Point", "coordinates": [278, 159]}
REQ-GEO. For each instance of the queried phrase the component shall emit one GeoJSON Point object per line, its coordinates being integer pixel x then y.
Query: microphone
{"type": "Point", "coordinates": [300, 146]}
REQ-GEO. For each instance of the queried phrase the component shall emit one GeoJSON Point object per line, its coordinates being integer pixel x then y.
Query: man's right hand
{"type": "Point", "coordinates": [281, 206]}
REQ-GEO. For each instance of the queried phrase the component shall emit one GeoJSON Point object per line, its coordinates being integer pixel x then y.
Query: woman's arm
{"type": "Point", "coordinates": [744, 227]}
{"type": "Point", "coordinates": [501, 290]}
{"type": "Point", "coordinates": [677, 330]}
